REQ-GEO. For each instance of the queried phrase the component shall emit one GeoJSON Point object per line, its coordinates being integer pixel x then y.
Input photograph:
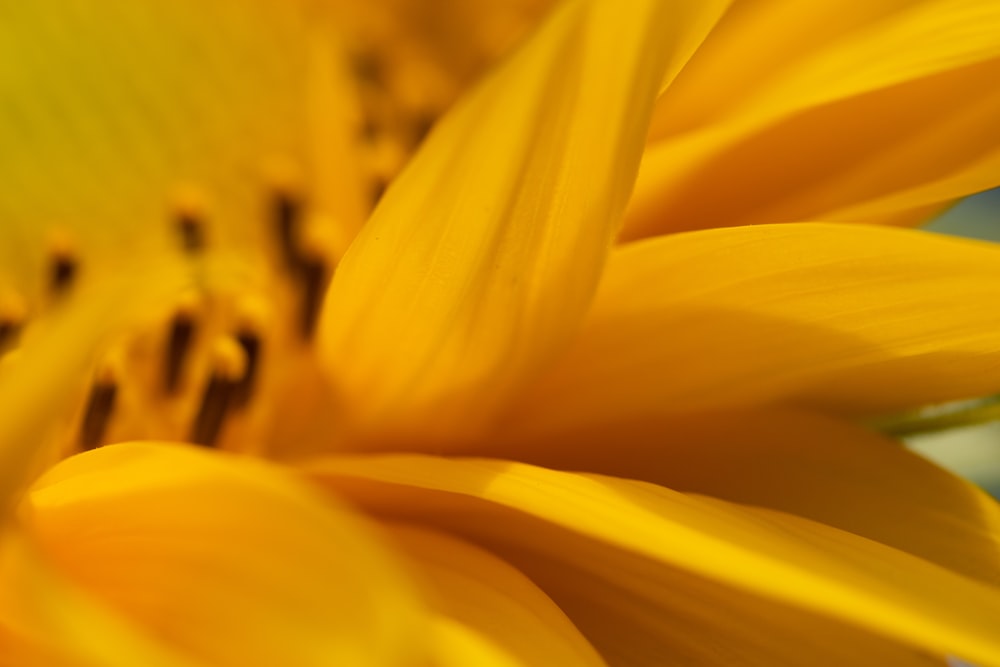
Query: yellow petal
{"type": "Point", "coordinates": [228, 559]}
{"type": "Point", "coordinates": [851, 319]}
{"type": "Point", "coordinates": [478, 599]}
{"type": "Point", "coordinates": [827, 112]}
{"type": "Point", "coordinates": [109, 111]}
{"type": "Point", "coordinates": [810, 465]}
{"type": "Point", "coordinates": [36, 605]}
{"type": "Point", "coordinates": [644, 544]}
{"type": "Point", "coordinates": [484, 254]}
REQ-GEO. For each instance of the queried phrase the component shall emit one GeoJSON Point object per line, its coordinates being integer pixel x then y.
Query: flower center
{"type": "Point", "coordinates": [216, 367]}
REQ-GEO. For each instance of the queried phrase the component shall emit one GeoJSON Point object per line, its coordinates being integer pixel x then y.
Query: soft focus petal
{"type": "Point", "coordinates": [810, 465]}
{"type": "Point", "coordinates": [111, 112]}
{"type": "Point", "coordinates": [484, 254]}
{"type": "Point", "coordinates": [850, 319]}
{"type": "Point", "coordinates": [228, 559]}
{"type": "Point", "coordinates": [45, 621]}
{"type": "Point", "coordinates": [703, 569]}
{"type": "Point", "coordinates": [477, 598]}
{"type": "Point", "coordinates": [826, 111]}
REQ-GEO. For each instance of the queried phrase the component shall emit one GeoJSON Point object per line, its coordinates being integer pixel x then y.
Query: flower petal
{"type": "Point", "coordinates": [810, 465]}
{"type": "Point", "coordinates": [228, 559]}
{"type": "Point", "coordinates": [37, 605]}
{"type": "Point", "coordinates": [849, 319]}
{"type": "Point", "coordinates": [476, 596]}
{"type": "Point", "coordinates": [643, 545]}
{"type": "Point", "coordinates": [108, 110]}
{"type": "Point", "coordinates": [484, 254]}
{"type": "Point", "coordinates": [836, 113]}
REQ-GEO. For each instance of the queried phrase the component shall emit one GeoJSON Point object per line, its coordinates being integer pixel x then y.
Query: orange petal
{"type": "Point", "coordinates": [37, 605]}
{"type": "Point", "coordinates": [227, 559]}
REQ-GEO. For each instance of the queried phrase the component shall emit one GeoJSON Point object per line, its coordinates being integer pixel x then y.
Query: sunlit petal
{"type": "Point", "coordinates": [849, 319]}
{"type": "Point", "coordinates": [826, 112]}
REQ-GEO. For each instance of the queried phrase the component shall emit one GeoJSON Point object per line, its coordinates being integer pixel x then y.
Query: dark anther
{"type": "Point", "coordinates": [369, 129]}
{"type": "Point", "coordinates": [378, 189]}
{"type": "Point", "coordinates": [215, 404]}
{"type": "Point", "coordinates": [314, 276]}
{"type": "Point", "coordinates": [62, 272]}
{"type": "Point", "coordinates": [287, 216]}
{"type": "Point", "coordinates": [97, 415]}
{"type": "Point", "coordinates": [9, 332]}
{"type": "Point", "coordinates": [423, 123]}
{"type": "Point", "coordinates": [179, 343]}
{"type": "Point", "coordinates": [368, 67]}
{"type": "Point", "coordinates": [192, 232]}
{"type": "Point", "coordinates": [243, 389]}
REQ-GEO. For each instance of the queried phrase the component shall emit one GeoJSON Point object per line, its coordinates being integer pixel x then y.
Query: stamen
{"type": "Point", "coordinates": [192, 232]}
{"type": "Point", "coordinates": [287, 215]}
{"type": "Point", "coordinates": [9, 332]}
{"type": "Point", "coordinates": [190, 204]}
{"type": "Point", "coordinates": [368, 67]}
{"type": "Point", "coordinates": [63, 268]}
{"type": "Point", "coordinates": [179, 344]}
{"type": "Point", "coordinates": [100, 407]}
{"type": "Point", "coordinates": [229, 368]}
{"type": "Point", "coordinates": [243, 390]}
{"type": "Point", "coordinates": [423, 123]}
{"type": "Point", "coordinates": [379, 187]}
{"type": "Point", "coordinates": [13, 314]}
{"type": "Point", "coordinates": [313, 277]}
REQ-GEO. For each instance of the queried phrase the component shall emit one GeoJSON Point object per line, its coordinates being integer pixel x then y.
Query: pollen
{"type": "Point", "coordinates": [64, 265]}
{"type": "Point", "coordinates": [100, 406]}
{"type": "Point", "coordinates": [228, 368]}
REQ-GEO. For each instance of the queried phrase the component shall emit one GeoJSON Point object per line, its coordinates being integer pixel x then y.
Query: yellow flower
{"type": "Point", "coordinates": [182, 198]}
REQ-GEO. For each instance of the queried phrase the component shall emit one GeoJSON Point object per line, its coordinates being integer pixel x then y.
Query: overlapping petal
{"type": "Point", "coordinates": [484, 254]}
{"type": "Point", "coordinates": [38, 605]}
{"type": "Point", "coordinates": [639, 558]}
{"type": "Point", "coordinates": [825, 112]}
{"type": "Point", "coordinates": [811, 465]}
{"type": "Point", "coordinates": [849, 319]}
{"type": "Point", "coordinates": [229, 560]}
{"type": "Point", "coordinates": [485, 612]}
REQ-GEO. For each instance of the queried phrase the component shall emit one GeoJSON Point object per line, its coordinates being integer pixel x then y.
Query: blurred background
{"type": "Point", "coordinates": [973, 452]}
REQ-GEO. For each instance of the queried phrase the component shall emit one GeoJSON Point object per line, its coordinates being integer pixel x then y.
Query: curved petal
{"type": "Point", "coordinates": [110, 112]}
{"type": "Point", "coordinates": [228, 559]}
{"type": "Point", "coordinates": [476, 597]}
{"type": "Point", "coordinates": [854, 114]}
{"type": "Point", "coordinates": [36, 605]}
{"type": "Point", "coordinates": [484, 254]}
{"type": "Point", "coordinates": [810, 465]}
{"type": "Point", "coordinates": [848, 319]}
{"type": "Point", "coordinates": [694, 572]}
